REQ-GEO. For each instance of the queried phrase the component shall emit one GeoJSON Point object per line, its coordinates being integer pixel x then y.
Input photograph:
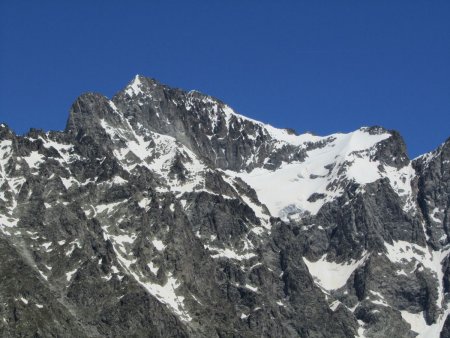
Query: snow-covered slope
{"type": "Point", "coordinates": [291, 187]}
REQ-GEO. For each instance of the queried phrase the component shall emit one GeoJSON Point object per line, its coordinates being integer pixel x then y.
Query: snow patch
{"type": "Point", "coordinates": [46, 245]}
{"type": "Point", "coordinates": [68, 182]}
{"type": "Point", "coordinates": [144, 203]}
{"type": "Point", "coordinates": [166, 293]}
{"type": "Point", "coordinates": [294, 183]}
{"type": "Point", "coordinates": [34, 159]}
{"type": "Point", "coordinates": [70, 274]}
{"type": "Point", "coordinates": [331, 275]}
{"type": "Point", "coordinates": [108, 208]}
{"type": "Point", "coordinates": [153, 268]}
{"type": "Point", "coordinates": [227, 253]}
{"type": "Point", "coordinates": [419, 325]}
{"type": "Point", "coordinates": [158, 244]}
{"type": "Point", "coordinates": [251, 288]}
{"type": "Point", "coordinates": [405, 252]}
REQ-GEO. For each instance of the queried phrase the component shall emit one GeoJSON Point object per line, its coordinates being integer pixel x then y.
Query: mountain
{"type": "Point", "coordinates": [164, 213]}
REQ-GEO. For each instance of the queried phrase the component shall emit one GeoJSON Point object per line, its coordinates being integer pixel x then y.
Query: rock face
{"type": "Point", "coordinates": [163, 213]}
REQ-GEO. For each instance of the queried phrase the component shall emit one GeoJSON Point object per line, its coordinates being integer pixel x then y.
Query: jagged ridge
{"type": "Point", "coordinates": [123, 217]}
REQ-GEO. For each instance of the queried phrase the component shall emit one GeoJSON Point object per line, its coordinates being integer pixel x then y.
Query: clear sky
{"type": "Point", "coordinates": [319, 66]}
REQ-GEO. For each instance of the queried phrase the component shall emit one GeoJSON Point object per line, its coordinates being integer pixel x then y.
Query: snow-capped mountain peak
{"type": "Point", "coordinates": [163, 212]}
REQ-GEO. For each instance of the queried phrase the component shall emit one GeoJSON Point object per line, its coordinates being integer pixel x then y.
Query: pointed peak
{"type": "Point", "coordinates": [5, 131]}
{"type": "Point", "coordinates": [134, 87]}
{"type": "Point", "coordinates": [144, 80]}
{"type": "Point", "coordinates": [140, 85]}
{"type": "Point", "coordinates": [139, 80]}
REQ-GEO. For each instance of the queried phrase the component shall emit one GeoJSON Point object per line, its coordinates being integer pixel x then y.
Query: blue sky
{"type": "Point", "coordinates": [319, 66]}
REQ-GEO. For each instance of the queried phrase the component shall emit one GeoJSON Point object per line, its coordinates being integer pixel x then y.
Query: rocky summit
{"type": "Point", "coordinates": [164, 213]}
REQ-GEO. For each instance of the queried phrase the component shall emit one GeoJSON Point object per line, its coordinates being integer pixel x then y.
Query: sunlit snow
{"type": "Point", "coordinates": [292, 185]}
{"type": "Point", "coordinates": [331, 275]}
